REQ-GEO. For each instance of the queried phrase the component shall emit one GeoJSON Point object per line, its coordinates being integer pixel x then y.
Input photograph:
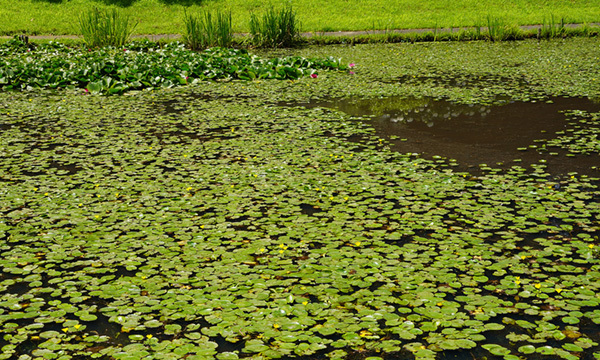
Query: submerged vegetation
{"type": "Point", "coordinates": [211, 221]}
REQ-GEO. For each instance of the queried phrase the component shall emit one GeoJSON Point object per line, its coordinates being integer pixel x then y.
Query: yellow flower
{"type": "Point", "coordinates": [149, 336]}
{"type": "Point", "coordinates": [305, 303]}
{"type": "Point", "coordinates": [77, 326]}
{"type": "Point", "coordinates": [276, 326]}
{"type": "Point", "coordinates": [537, 286]}
{"type": "Point", "coordinates": [189, 188]}
{"type": "Point", "coordinates": [357, 243]}
{"type": "Point", "coordinates": [591, 246]}
{"type": "Point", "coordinates": [558, 290]}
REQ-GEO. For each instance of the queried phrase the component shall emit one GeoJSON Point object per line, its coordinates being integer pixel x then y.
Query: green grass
{"type": "Point", "coordinates": [166, 16]}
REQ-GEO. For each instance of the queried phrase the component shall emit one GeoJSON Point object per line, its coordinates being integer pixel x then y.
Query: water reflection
{"type": "Point", "coordinates": [474, 134]}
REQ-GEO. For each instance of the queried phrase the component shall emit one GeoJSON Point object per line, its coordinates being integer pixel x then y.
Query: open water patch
{"type": "Point", "coordinates": [474, 136]}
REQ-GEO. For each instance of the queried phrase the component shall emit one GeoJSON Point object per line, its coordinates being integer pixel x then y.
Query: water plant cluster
{"type": "Point", "coordinates": [116, 70]}
{"type": "Point", "coordinates": [209, 222]}
{"type": "Point", "coordinates": [275, 28]}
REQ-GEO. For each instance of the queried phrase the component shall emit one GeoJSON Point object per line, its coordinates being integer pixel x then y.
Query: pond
{"type": "Point", "coordinates": [207, 222]}
{"type": "Point", "coordinates": [473, 136]}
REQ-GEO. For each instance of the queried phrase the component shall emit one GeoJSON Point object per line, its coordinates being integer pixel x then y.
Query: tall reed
{"type": "Point", "coordinates": [105, 27]}
{"type": "Point", "coordinates": [552, 29]}
{"type": "Point", "coordinates": [208, 30]}
{"type": "Point", "coordinates": [275, 28]}
{"type": "Point", "coordinates": [494, 28]}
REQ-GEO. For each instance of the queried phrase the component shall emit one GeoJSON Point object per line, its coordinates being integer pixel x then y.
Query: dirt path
{"type": "Point", "coordinates": [156, 37]}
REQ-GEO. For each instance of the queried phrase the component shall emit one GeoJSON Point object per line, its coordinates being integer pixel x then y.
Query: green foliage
{"type": "Point", "coordinates": [207, 222]}
{"type": "Point", "coordinates": [275, 29]}
{"type": "Point", "coordinates": [207, 30]}
{"type": "Point", "coordinates": [552, 29]}
{"type": "Point", "coordinates": [105, 27]}
{"type": "Point", "coordinates": [110, 70]}
{"type": "Point", "coordinates": [15, 45]}
{"type": "Point", "coordinates": [498, 30]}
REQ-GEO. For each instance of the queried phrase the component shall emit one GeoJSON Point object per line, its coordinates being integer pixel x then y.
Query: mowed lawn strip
{"type": "Point", "coordinates": [162, 16]}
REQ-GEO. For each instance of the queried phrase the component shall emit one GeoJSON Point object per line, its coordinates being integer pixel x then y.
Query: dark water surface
{"type": "Point", "coordinates": [475, 134]}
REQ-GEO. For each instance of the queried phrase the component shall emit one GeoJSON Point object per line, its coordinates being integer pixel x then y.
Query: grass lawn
{"type": "Point", "coordinates": [159, 17]}
{"type": "Point", "coordinates": [237, 219]}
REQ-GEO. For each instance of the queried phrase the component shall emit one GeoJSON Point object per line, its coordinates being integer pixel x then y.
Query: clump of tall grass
{"type": "Point", "coordinates": [275, 28]}
{"type": "Point", "coordinates": [105, 27]}
{"type": "Point", "coordinates": [499, 31]}
{"type": "Point", "coordinates": [208, 30]}
{"type": "Point", "coordinates": [552, 29]}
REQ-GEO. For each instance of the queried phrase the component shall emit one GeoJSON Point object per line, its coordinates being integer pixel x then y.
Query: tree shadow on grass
{"type": "Point", "coordinates": [119, 3]}
{"type": "Point", "coordinates": [182, 2]}
{"type": "Point", "coordinates": [127, 3]}
{"type": "Point", "coordinates": [51, 1]}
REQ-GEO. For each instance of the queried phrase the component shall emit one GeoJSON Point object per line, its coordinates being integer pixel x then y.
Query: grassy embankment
{"type": "Point", "coordinates": [166, 16]}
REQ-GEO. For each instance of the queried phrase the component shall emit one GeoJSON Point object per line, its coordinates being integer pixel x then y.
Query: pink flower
{"type": "Point", "coordinates": [351, 72]}
{"type": "Point", "coordinates": [351, 65]}
{"type": "Point", "coordinates": [124, 49]}
{"type": "Point", "coordinates": [314, 76]}
{"type": "Point", "coordinates": [86, 91]}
